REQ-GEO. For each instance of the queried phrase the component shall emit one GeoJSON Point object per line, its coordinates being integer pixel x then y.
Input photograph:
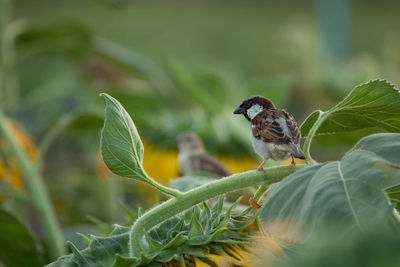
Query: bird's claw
{"type": "Point", "coordinates": [293, 163]}
{"type": "Point", "coordinates": [261, 169]}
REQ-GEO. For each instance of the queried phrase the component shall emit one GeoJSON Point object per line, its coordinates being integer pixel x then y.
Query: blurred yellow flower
{"type": "Point", "coordinates": [261, 250]}
{"type": "Point", "coordinates": [9, 169]}
{"type": "Point", "coordinates": [160, 164]}
{"type": "Point", "coordinates": [237, 165]}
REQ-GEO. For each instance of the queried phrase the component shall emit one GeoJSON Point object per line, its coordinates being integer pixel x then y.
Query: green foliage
{"type": "Point", "coordinates": [17, 246]}
{"type": "Point", "coordinates": [371, 249]}
{"type": "Point", "coordinates": [194, 233]}
{"type": "Point", "coordinates": [322, 196]}
{"type": "Point", "coordinates": [394, 195]}
{"type": "Point", "coordinates": [71, 63]}
{"type": "Point", "coordinates": [375, 105]}
{"type": "Point", "coordinates": [343, 193]}
{"type": "Point", "coordinates": [121, 147]}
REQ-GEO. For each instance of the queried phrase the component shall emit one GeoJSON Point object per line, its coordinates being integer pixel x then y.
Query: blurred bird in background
{"type": "Point", "coordinates": [193, 157]}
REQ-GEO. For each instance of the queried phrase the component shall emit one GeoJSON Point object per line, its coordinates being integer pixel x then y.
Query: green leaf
{"type": "Point", "coordinates": [195, 228]}
{"type": "Point", "coordinates": [64, 261]}
{"type": "Point", "coordinates": [200, 87]}
{"type": "Point", "coordinates": [373, 248]}
{"type": "Point", "coordinates": [167, 255]}
{"type": "Point", "coordinates": [103, 249]}
{"type": "Point", "coordinates": [375, 104]}
{"type": "Point", "coordinates": [206, 238]}
{"type": "Point", "coordinates": [153, 246]}
{"type": "Point", "coordinates": [121, 261]}
{"type": "Point", "coordinates": [121, 147]}
{"type": "Point", "coordinates": [133, 62]}
{"type": "Point", "coordinates": [349, 193]}
{"type": "Point", "coordinates": [17, 246]}
{"type": "Point", "coordinates": [235, 224]}
{"type": "Point", "coordinates": [394, 195]}
{"type": "Point", "coordinates": [81, 259]}
{"type": "Point", "coordinates": [216, 211]}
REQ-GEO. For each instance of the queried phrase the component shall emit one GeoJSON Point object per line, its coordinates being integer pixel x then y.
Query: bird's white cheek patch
{"type": "Point", "coordinates": [254, 110]}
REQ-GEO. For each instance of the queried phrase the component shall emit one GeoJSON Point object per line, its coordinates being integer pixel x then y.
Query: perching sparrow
{"type": "Point", "coordinates": [194, 158]}
{"type": "Point", "coordinates": [275, 131]}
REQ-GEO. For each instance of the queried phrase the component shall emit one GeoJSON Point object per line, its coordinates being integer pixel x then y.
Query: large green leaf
{"type": "Point", "coordinates": [134, 62]}
{"type": "Point", "coordinates": [394, 195]}
{"type": "Point", "coordinates": [121, 147]}
{"type": "Point", "coordinates": [375, 104]}
{"type": "Point", "coordinates": [349, 193]}
{"type": "Point", "coordinates": [17, 247]}
{"type": "Point", "coordinates": [206, 89]}
{"type": "Point", "coordinates": [371, 249]}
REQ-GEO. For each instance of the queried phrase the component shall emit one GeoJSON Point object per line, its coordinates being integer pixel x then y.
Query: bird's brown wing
{"type": "Point", "coordinates": [276, 126]}
{"type": "Point", "coordinates": [294, 129]}
{"type": "Point", "coordinates": [210, 164]}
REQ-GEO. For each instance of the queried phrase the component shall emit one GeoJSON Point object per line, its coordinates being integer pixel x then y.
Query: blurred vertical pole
{"type": "Point", "coordinates": [10, 29]}
{"type": "Point", "coordinates": [333, 27]}
{"type": "Point", "coordinates": [3, 22]}
{"type": "Point", "coordinates": [38, 194]}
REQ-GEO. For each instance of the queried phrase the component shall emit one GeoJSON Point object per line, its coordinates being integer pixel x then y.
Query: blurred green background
{"type": "Point", "coordinates": [176, 66]}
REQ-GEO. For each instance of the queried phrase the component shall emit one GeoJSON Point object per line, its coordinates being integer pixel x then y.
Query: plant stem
{"type": "Point", "coordinates": [36, 187]}
{"type": "Point", "coordinates": [307, 144]}
{"type": "Point", "coordinates": [188, 199]}
{"type": "Point", "coordinates": [166, 190]}
{"type": "Point", "coordinates": [57, 128]}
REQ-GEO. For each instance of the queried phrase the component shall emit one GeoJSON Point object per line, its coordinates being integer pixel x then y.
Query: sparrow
{"type": "Point", "coordinates": [193, 157]}
{"type": "Point", "coordinates": [275, 131]}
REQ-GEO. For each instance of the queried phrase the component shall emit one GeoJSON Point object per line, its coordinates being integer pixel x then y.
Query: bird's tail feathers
{"type": "Point", "coordinates": [296, 151]}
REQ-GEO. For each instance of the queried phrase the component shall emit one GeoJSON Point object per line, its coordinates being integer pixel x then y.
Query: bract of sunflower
{"type": "Point", "coordinates": [206, 235]}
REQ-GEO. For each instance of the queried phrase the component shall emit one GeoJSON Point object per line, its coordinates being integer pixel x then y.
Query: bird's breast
{"type": "Point", "coordinates": [185, 163]}
{"type": "Point", "coordinates": [271, 150]}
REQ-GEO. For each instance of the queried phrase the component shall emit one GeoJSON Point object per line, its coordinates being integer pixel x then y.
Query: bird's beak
{"type": "Point", "coordinates": [239, 110]}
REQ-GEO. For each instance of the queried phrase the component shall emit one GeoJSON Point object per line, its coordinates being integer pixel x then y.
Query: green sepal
{"type": "Point", "coordinates": [82, 259]}
{"type": "Point", "coordinates": [195, 228]}
{"type": "Point", "coordinates": [121, 261]}
{"type": "Point", "coordinates": [171, 239]}
{"type": "Point", "coordinates": [167, 255]}
{"type": "Point", "coordinates": [236, 224]}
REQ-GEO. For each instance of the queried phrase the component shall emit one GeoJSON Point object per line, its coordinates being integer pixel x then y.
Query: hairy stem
{"type": "Point", "coordinates": [188, 199]}
{"type": "Point", "coordinates": [166, 190]}
{"type": "Point", "coordinates": [36, 187]}
{"type": "Point", "coordinates": [307, 144]}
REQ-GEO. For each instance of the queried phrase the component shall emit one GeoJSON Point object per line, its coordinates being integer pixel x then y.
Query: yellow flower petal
{"type": "Point", "coordinates": [200, 263]}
